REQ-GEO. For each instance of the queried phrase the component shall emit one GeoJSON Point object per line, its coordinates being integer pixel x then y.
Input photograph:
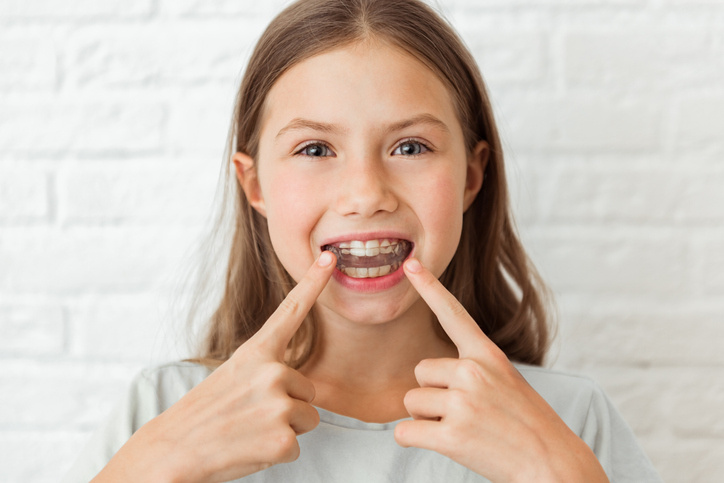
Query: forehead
{"type": "Point", "coordinates": [361, 83]}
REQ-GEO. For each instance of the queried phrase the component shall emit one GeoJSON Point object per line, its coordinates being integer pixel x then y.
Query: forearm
{"type": "Point", "coordinates": [143, 458]}
{"type": "Point", "coordinates": [571, 461]}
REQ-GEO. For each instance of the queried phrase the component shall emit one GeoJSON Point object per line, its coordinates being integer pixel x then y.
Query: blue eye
{"type": "Point", "coordinates": [410, 148]}
{"type": "Point", "coordinates": [316, 150]}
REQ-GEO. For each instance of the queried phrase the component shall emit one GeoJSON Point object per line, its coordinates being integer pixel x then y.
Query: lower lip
{"type": "Point", "coordinates": [369, 285]}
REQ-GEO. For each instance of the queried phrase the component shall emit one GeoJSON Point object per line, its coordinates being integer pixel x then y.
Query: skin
{"type": "Point", "coordinates": [363, 185]}
{"type": "Point", "coordinates": [379, 358]}
{"type": "Point", "coordinates": [266, 403]}
{"type": "Point", "coordinates": [520, 438]}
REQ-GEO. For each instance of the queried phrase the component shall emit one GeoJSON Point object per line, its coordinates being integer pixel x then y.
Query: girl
{"type": "Point", "coordinates": [376, 292]}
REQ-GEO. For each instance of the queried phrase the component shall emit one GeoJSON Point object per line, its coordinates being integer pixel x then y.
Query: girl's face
{"type": "Point", "coordinates": [361, 150]}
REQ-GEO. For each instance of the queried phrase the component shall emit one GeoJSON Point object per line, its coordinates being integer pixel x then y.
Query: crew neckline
{"type": "Point", "coordinates": [352, 423]}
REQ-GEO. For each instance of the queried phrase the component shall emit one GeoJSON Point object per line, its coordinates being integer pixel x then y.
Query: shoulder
{"type": "Point", "coordinates": [164, 384]}
{"type": "Point", "coordinates": [151, 392]}
{"type": "Point", "coordinates": [581, 403]}
{"type": "Point", "coordinates": [574, 397]}
{"type": "Point", "coordinates": [554, 381]}
{"type": "Point", "coordinates": [176, 372]}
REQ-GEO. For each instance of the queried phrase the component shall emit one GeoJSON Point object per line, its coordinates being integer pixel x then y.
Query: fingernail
{"type": "Point", "coordinates": [413, 265]}
{"type": "Point", "coordinates": [325, 259]}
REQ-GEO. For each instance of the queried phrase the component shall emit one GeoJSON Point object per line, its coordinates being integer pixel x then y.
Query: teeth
{"type": "Point", "coordinates": [371, 272]}
{"type": "Point", "coordinates": [388, 251]}
{"type": "Point", "coordinates": [370, 248]}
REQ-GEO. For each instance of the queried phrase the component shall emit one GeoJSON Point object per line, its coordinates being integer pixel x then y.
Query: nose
{"type": "Point", "coordinates": [365, 189]}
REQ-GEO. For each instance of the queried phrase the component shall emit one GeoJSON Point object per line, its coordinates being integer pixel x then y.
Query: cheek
{"type": "Point", "coordinates": [442, 199]}
{"type": "Point", "coordinates": [440, 210]}
{"type": "Point", "coordinates": [290, 211]}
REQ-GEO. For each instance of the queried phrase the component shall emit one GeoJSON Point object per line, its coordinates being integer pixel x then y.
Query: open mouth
{"type": "Point", "coordinates": [371, 258]}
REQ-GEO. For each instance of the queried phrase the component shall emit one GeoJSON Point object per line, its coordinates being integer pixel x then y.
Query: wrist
{"type": "Point", "coordinates": [572, 463]}
{"type": "Point", "coordinates": [161, 457]}
{"type": "Point", "coordinates": [144, 458]}
{"type": "Point", "coordinates": [571, 460]}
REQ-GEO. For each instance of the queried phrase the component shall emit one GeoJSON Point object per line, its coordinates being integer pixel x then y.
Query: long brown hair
{"type": "Point", "coordinates": [489, 274]}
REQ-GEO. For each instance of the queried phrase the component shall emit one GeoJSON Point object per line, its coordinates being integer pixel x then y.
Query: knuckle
{"type": "Point", "coordinates": [410, 398]}
{"type": "Point", "coordinates": [268, 377]}
{"type": "Point", "coordinates": [284, 408]}
{"type": "Point", "coordinates": [424, 366]}
{"type": "Point", "coordinates": [431, 284]}
{"type": "Point", "coordinates": [256, 348]}
{"type": "Point", "coordinates": [243, 354]}
{"type": "Point", "coordinates": [286, 448]}
{"type": "Point", "coordinates": [401, 434]}
{"type": "Point", "coordinates": [257, 351]}
{"type": "Point", "coordinates": [290, 306]}
{"type": "Point", "coordinates": [467, 370]}
{"type": "Point", "coordinates": [313, 417]}
{"type": "Point", "coordinates": [263, 466]}
{"type": "Point", "coordinates": [310, 390]}
{"type": "Point", "coordinates": [429, 281]}
{"type": "Point", "coordinates": [457, 401]}
{"type": "Point", "coordinates": [455, 308]}
{"type": "Point", "coordinates": [276, 371]}
{"type": "Point", "coordinates": [272, 374]}
{"type": "Point", "coordinates": [447, 438]}
{"type": "Point", "coordinates": [500, 359]}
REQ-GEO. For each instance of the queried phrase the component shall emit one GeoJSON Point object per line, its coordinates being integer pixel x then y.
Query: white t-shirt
{"type": "Point", "coordinates": [349, 450]}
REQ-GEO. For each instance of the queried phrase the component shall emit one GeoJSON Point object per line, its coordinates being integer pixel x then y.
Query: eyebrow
{"type": "Point", "coordinates": [428, 119]}
{"type": "Point", "coordinates": [299, 124]}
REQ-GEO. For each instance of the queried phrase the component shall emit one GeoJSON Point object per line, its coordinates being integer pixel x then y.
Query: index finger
{"type": "Point", "coordinates": [454, 319]}
{"type": "Point", "coordinates": [279, 329]}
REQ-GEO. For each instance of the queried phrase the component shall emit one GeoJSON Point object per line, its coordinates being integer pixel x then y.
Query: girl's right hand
{"type": "Point", "coordinates": [243, 418]}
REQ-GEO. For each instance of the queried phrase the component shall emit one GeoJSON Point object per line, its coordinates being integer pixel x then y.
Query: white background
{"type": "Point", "coordinates": [113, 118]}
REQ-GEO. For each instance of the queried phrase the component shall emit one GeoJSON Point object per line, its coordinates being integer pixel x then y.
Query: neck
{"type": "Point", "coordinates": [364, 371]}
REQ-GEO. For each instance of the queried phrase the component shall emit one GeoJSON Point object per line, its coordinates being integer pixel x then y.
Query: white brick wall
{"type": "Point", "coordinates": [113, 117]}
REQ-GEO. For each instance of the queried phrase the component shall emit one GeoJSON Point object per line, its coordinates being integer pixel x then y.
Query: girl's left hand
{"type": "Point", "coordinates": [479, 410]}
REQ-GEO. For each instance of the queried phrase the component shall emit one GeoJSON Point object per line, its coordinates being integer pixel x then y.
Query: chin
{"type": "Point", "coordinates": [369, 310]}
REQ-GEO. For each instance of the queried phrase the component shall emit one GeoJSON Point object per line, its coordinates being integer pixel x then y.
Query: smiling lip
{"type": "Point", "coordinates": [369, 285]}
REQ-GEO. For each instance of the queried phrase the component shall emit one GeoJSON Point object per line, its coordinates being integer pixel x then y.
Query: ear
{"type": "Point", "coordinates": [477, 161]}
{"type": "Point", "coordinates": [248, 180]}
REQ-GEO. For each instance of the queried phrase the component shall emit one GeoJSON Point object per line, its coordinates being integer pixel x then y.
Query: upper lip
{"type": "Point", "coordinates": [365, 236]}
